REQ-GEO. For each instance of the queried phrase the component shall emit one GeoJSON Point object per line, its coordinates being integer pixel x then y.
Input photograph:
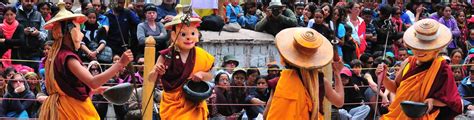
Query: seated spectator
{"type": "Point", "coordinates": [229, 64]}
{"type": "Point", "coordinates": [458, 73]}
{"type": "Point", "coordinates": [250, 16]}
{"type": "Point", "coordinates": [277, 18]}
{"type": "Point", "coordinates": [466, 91]}
{"type": "Point", "coordinates": [382, 31]}
{"type": "Point", "coordinates": [222, 96]}
{"type": "Point", "coordinates": [349, 47]}
{"type": "Point", "coordinates": [166, 11]}
{"type": "Point", "coordinates": [94, 45]}
{"type": "Point", "coordinates": [152, 28]}
{"type": "Point", "coordinates": [449, 21]}
{"type": "Point", "coordinates": [238, 92]}
{"type": "Point", "coordinates": [470, 39]}
{"type": "Point", "coordinates": [353, 95]}
{"type": "Point", "coordinates": [299, 12]}
{"type": "Point", "coordinates": [252, 75]}
{"type": "Point", "coordinates": [273, 71]}
{"type": "Point", "coordinates": [235, 13]}
{"type": "Point", "coordinates": [456, 56]}
{"type": "Point", "coordinates": [17, 88]}
{"type": "Point", "coordinates": [370, 32]}
{"type": "Point", "coordinates": [134, 105]}
{"type": "Point", "coordinates": [258, 97]}
{"type": "Point", "coordinates": [3, 84]}
{"type": "Point", "coordinates": [33, 81]}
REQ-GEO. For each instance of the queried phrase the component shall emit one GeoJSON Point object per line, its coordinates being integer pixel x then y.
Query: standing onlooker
{"type": "Point", "coordinates": [449, 21]}
{"type": "Point", "coordinates": [306, 20]}
{"type": "Point", "coordinates": [357, 24]}
{"type": "Point", "coordinates": [45, 9]}
{"type": "Point", "coordinates": [34, 34]}
{"type": "Point", "coordinates": [123, 23]}
{"type": "Point", "coordinates": [277, 18]}
{"type": "Point", "coordinates": [94, 45]}
{"type": "Point", "coordinates": [150, 27]}
{"type": "Point", "coordinates": [166, 11]}
{"type": "Point", "coordinates": [13, 42]}
{"type": "Point", "coordinates": [382, 30]}
{"type": "Point", "coordinates": [17, 88]}
{"type": "Point", "coordinates": [337, 26]}
{"type": "Point", "coordinates": [138, 7]}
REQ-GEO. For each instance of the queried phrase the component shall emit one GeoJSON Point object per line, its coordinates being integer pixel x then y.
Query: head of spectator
{"type": "Point", "coordinates": [356, 66]}
{"type": "Point", "coordinates": [353, 9]}
{"type": "Point", "coordinates": [439, 9]}
{"type": "Point", "coordinates": [150, 12]}
{"type": "Point", "coordinates": [118, 6]}
{"type": "Point", "coordinates": [46, 47]}
{"type": "Point", "coordinates": [457, 72]}
{"type": "Point", "coordinates": [97, 4]}
{"type": "Point", "coordinates": [91, 16]}
{"type": "Point", "coordinates": [252, 75]}
{"type": "Point", "coordinates": [33, 80]}
{"type": "Point", "coordinates": [385, 11]}
{"type": "Point", "coordinates": [28, 5]}
{"type": "Point", "coordinates": [230, 62]}
{"type": "Point", "coordinates": [262, 84]}
{"type": "Point", "coordinates": [471, 73]}
{"type": "Point", "coordinates": [275, 8]}
{"type": "Point", "coordinates": [367, 60]}
{"type": "Point", "coordinates": [380, 60]}
{"type": "Point", "coordinates": [169, 2]}
{"type": "Point", "coordinates": [460, 17]}
{"type": "Point", "coordinates": [8, 73]}
{"type": "Point", "coordinates": [446, 12]}
{"type": "Point", "coordinates": [222, 80]}
{"type": "Point", "coordinates": [308, 11]}
{"type": "Point", "coordinates": [299, 8]}
{"type": "Point", "coordinates": [140, 63]}
{"type": "Point", "coordinates": [9, 19]}
{"type": "Point", "coordinates": [327, 11]}
{"type": "Point", "coordinates": [138, 7]}
{"type": "Point", "coordinates": [17, 87]}
{"type": "Point", "coordinates": [273, 71]}
{"type": "Point", "coordinates": [338, 15]}
{"type": "Point", "coordinates": [69, 4]}
{"type": "Point", "coordinates": [471, 35]}
{"type": "Point", "coordinates": [396, 12]}
{"type": "Point", "coordinates": [367, 14]}
{"type": "Point", "coordinates": [456, 56]}
{"type": "Point", "coordinates": [94, 68]}
{"type": "Point", "coordinates": [318, 17]}
{"type": "Point", "coordinates": [250, 8]}
{"type": "Point", "coordinates": [346, 75]}
{"type": "Point", "coordinates": [402, 54]}
{"type": "Point", "coordinates": [85, 6]}
{"type": "Point", "coordinates": [45, 10]}
{"type": "Point", "coordinates": [239, 77]}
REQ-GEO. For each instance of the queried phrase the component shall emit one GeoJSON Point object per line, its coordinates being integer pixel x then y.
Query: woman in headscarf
{"type": "Point", "coordinates": [67, 82]}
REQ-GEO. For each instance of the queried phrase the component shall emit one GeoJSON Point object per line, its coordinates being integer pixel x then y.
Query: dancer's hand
{"type": "Point", "coordinates": [381, 72]}
{"type": "Point", "coordinates": [429, 103]}
{"type": "Point", "coordinates": [385, 101]}
{"type": "Point", "coordinates": [197, 77]}
{"type": "Point", "coordinates": [126, 58]}
{"type": "Point", "coordinates": [160, 69]}
{"type": "Point", "coordinates": [337, 67]}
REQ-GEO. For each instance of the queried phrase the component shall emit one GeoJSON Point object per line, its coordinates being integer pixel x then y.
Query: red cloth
{"type": "Point", "coordinates": [363, 42]}
{"type": "Point", "coordinates": [9, 29]}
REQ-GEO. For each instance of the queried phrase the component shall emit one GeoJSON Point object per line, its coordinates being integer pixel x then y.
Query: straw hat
{"type": "Point", "coordinates": [304, 47]}
{"type": "Point", "coordinates": [427, 34]}
{"type": "Point", "coordinates": [64, 14]}
{"type": "Point", "coordinates": [180, 18]}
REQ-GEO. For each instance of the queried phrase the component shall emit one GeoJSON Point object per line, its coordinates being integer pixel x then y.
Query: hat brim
{"type": "Point", "coordinates": [284, 41]}
{"type": "Point", "coordinates": [79, 18]}
{"type": "Point", "coordinates": [170, 25]}
{"type": "Point", "coordinates": [443, 39]}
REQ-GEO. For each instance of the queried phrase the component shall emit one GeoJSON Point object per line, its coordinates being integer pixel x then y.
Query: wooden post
{"type": "Point", "coordinates": [327, 71]}
{"type": "Point", "coordinates": [148, 85]}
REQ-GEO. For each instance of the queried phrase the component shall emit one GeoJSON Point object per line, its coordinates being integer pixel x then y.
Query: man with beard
{"type": "Point", "coordinates": [123, 23]}
{"type": "Point", "coordinates": [33, 22]}
{"type": "Point", "coordinates": [138, 9]}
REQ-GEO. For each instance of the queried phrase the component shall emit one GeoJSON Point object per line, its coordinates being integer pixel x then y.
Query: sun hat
{"type": "Point", "coordinates": [427, 34]}
{"type": "Point", "coordinates": [64, 14]}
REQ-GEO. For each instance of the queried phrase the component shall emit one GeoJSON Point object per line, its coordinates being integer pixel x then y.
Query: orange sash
{"type": "Point", "coordinates": [290, 101]}
{"type": "Point", "coordinates": [173, 106]}
{"type": "Point", "coordinates": [414, 88]}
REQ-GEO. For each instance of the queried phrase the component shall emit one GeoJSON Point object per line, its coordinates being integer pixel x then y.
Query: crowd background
{"type": "Point", "coordinates": [359, 31]}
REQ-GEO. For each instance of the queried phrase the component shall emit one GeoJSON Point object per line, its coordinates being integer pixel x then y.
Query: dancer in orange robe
{"type": "Point", "coordinates": [68, 86]}
{"type": "Point", "coordinates": [424, 77]}
{"type": "Point", "coordinates": [178, 64]}
{"type": "Point", "coordinates": [303, 48]}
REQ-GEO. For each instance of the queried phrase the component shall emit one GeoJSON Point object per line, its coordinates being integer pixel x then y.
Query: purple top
{"type": "Point", "coordinates": [453, 26]}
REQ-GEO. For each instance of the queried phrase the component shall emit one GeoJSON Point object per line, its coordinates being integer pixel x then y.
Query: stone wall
{"type": "Point", "coordinates": [249, 47]}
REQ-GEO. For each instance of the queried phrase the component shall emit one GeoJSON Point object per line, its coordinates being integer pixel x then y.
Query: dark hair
{"type": "Point", "coordinates": [356, 62]}
{"type": "Point", "coordinates": [149, 7]}
{"type": "Point", "coordinates": [312, 7]}
{"type": "Point", "coordinates": [48, 43]}
{"type": "Point", "coordinates": [330, 11]}
{"type": "Point", "coordinates": [365, 57]}
{"type": "Point", "coordinates": [318, 10]}
{"type": "Point", "coordinates": [41, 4]}
{"type": "Point", "coordinates": [395, 9]}
{"type": "Point", "coordinates": [385, 10]}
{"type": "Point", "coordinates": [89, 11]}
{"type": "Point", "coordinates": [217, 80]}
{"type": "Point", "coordinates": [367, 11]}
{"type": "Point", "coordinates": [350, 5]}
{"type": "Point", "coordinates": [455, 51]}
{"type": "Point", "coordinates": [253, 70]}
{"type": "Point", "coordinates": [261, 77]}
{"type": "Point", "coordinates": [9, 8]}
{"type": "Point", "coordinates": [7, 71]}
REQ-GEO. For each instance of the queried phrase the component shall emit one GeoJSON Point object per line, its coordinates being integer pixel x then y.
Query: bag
{"type": "Point", "coordinates": [105, 55]}
{"type": "Point", "coordinates": [212, 23]}
{"type": "Point", "coordinates": [232, 27]}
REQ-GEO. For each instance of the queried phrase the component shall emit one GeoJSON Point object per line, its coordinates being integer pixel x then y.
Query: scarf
{"type": "Point", "coordinates": [9, 29]}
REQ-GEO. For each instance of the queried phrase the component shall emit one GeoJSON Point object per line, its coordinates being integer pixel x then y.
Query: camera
{"type": "Point", "coordinates": [276, 11]}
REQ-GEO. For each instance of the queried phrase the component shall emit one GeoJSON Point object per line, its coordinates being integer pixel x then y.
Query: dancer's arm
{"type": "Point", "coordinates": [336, 95]}
{"type": "Point", "coordinates": [96, 81]}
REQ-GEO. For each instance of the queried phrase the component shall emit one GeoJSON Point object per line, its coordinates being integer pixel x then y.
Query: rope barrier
{"type": "Point", "coordinates": [218, 68]}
